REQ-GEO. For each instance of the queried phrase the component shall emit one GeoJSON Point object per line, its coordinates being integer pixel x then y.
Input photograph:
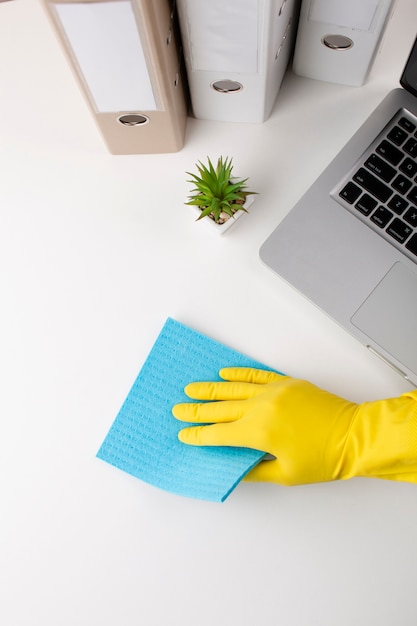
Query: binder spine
{"type": "Point", "coordinates": [337, 41]}
{"type": "Point", "coordinates": [125, 56]}
{"type": "Point", "coordinates": [236, 55]}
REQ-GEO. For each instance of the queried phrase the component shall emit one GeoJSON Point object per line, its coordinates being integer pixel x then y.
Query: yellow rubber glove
{"type": "Point", "coordinates": [314, 436]}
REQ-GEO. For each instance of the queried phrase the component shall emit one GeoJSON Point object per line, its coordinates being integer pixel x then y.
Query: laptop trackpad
{"type": "Point", "coordinates": [389, 315]}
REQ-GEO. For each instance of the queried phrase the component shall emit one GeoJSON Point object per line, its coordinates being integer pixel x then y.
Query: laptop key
{"type": "Point", "coordinates": [390, 152]}
{"type": "Point", "coordinates": [412, 244]}
{"type": "Point", "coordinates": [398, 204]}
{"type": "Point", "coordinates": [413, 195]}
{"type": "Point", "coordinates": [411, 147]}
{"type": "Point", "coordinates": [399, 230]}
{"type": "Point", "coordinates": [411, 216]}
{"type": "Point", "coordinates": [409, 167]}
{"type": "Point", "coordinates": [381, 217]}
{"type": "Point", "coordinates": [372, 184]}
{"type": "Point", "coordinates": [401, 184]}
{"type": "Point", "coordinates": [350, 192]}
{"type": "Point", "coordinates": [407, 124]}
{"type": "Point", "coordinates": [366, 204]}
{"type": "Point", "coordinates": [397, 135]}
{"type": "Point", "coordinates": [380, 167]}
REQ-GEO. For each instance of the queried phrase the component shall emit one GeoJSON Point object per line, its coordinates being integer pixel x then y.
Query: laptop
{"type": "Point", "coordinates": [350, 243]}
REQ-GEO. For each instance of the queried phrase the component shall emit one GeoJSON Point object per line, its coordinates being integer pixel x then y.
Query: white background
{"type": "Point", "coordinates": [96, 251]}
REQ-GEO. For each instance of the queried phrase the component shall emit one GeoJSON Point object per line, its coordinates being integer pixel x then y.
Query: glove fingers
{"type": "Point", "coordinates": [267, 472]}
{"type": "Point", "coordinates": [221, 391]}
{"type": "Point", "coordinates": [218, 435]}
{"type": "Point", "coordinates": [208, 412]}
{"type": "Point", "coordinates": [249, 375]}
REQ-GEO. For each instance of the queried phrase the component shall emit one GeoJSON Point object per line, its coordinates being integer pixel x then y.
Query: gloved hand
{"type": "Point", "coordinates": [314, 436]}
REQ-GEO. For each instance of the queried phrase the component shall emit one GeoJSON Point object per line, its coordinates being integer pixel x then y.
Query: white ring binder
{"type": "Point", "coordinates": [337, 40]}
{"type": "Point", "coordinates": [245, 42]}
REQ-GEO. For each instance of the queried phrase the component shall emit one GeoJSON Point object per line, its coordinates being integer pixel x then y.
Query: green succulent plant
{"type": "Point", "coordinates": [216, 193]}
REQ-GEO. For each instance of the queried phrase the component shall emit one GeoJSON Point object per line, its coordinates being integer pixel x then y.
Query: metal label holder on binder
{"type": "Point", "coordinates": [126, 57]}
{"type": "Point", "coordinates": [236, 55]}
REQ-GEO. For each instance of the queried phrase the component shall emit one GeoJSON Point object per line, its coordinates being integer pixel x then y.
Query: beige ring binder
{"type": "Point", "coordinates": [126, 57]}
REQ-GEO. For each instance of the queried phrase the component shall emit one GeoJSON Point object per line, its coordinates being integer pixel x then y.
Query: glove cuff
{"type": "Point", "coordinates": [382, 441]}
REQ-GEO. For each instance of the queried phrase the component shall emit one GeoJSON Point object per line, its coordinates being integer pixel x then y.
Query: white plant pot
{"type": "Point", "coordinates": [226, 226]}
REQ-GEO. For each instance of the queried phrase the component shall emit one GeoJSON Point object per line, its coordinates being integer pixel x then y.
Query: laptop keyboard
{"type": "Point", "coordinates": [381, 189]}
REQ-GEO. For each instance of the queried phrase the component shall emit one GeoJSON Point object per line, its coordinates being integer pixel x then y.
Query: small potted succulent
{"type": "Point", "coordinates": [218, 196]}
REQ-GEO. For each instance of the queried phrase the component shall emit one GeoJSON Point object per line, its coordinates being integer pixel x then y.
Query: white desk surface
{"type": "Point", "coordinates": [96, 251]}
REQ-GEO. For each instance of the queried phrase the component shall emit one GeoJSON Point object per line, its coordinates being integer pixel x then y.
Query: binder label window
{"type": "Point", "coordinates": [105, 42]}
{"type": "Point", "coordinates": [223, 35]}
{"type": "Point", "coordinates": [356, 14]}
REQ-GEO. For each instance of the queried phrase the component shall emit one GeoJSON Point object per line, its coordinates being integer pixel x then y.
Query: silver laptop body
{"type": "Point", "coordinates": [350, 243]}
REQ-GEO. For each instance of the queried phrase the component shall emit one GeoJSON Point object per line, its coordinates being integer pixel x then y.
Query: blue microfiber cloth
{"type": "Point", "coordinates": [143, 439]}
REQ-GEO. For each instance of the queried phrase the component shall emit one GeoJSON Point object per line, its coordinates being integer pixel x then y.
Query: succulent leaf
{"type": "Point", "coordinates": [215, 191]}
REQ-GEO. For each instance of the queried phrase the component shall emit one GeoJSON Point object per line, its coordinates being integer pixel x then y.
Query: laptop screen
{"type": "Point", "coordinates": [409, 77]}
